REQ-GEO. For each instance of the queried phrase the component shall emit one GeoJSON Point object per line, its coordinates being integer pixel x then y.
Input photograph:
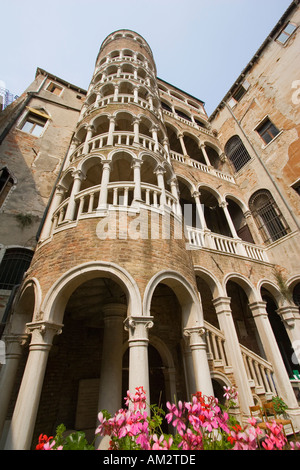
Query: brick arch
{"type": "Point", "coordinates": [55, 301]}
{"type": "Point", "coordinates": [245, 284]}
{"type": "Point", "coordinates": [27, 306]}
{"type": "Point", "coordinates": [185, 293]}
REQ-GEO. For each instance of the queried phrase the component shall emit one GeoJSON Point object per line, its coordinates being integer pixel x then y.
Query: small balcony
{"type": "Point", "coordinates": [198, 238]}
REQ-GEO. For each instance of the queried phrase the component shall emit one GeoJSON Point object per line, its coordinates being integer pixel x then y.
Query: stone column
{"type": "Point", "coordinates": [116, 93]}
{"type": "Point", "coordinates": [136, 129]}
{"type": "Point", "coordinates": [174, 191]}
{"type": "Point", "coordinates": [137, 328]}
{"type": "Point", "coordinates": [13, 345]}
{"type": "Point", "coordinates": [180, 137]}
{"type": "Point", "coordinates": [159, 171]}
{"type": "Point", "coordinates": [224, 205]}
{"type": "Point", "coordinates": [154, 130]}
{"type": "Point", "coordinates": [112, 122]}
{"type": "Point", "coordinates": [201, 369]}
{"type": "Point", "coordinates": [25, 412]}
{"type": "Point", "coordinates": [89, 135]}
{"type": "Point", "coordinates": [233, 351]}
{"type": "Point", "coordinates": [196, 196]}
{"type": "Point", "coordinates": [207, 161]}
{"type": "Point", "coordinates": [102, 204]}
{"type": "Point", "coordinates": [136, 165]}
{"type": "Point", "coordinates": [57, 199]}
{"type": "Point", "coordinates": [273, 355]}
{"type": "Point", "coordinates": [110, 392]}
{"type": "Point", "coordinates": [70, 212]}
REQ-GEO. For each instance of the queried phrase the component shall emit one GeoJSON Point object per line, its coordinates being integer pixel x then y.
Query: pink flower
{"type": "Point", "coordinates": [48, 446]}
{"type": "Point", "coordinates": [292, 444]}
{"type": "Point", "coordinates": [161, 443]}
{"type": "Point", "coordinates": [276, 439]}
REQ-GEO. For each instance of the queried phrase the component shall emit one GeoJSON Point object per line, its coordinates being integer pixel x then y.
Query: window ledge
{"type": "Point", "coordinates": [271, 141]}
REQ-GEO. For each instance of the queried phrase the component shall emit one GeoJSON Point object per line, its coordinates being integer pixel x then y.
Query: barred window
{"type": "Point", "coordinates": [267, 215]}
{"type": "Point", "coordinates": [15, 263]}
{"type": "Point", "coordinates": [237, 152]}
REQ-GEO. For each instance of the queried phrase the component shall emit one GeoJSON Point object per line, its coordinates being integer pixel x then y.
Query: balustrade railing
{"type": "Point", "coordinates": [119, 138]}
{"type": "Point", "coordinates": [199, 238]}
{"type": "Point", "coordinates": [201, 166]}
{"type": "Point", "coordinates": [119, 195]}
{"type": "Point", "coordinates": [259, 371]}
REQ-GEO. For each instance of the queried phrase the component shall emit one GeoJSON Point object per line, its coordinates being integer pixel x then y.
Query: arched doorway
{"type": "Point", "coordinates": [72, 387]}
{"type": "Point", "coordinates": [243, 319]}
{"type": "Point", "coordinates": [280, 333]}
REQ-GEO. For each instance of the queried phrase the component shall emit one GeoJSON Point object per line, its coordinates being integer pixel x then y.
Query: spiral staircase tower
{"type": "Point", "coordinates": [113, 236]}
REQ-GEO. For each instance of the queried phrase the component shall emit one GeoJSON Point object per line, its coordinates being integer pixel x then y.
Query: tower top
{"type": "Point", "coordinates": [126, 34]}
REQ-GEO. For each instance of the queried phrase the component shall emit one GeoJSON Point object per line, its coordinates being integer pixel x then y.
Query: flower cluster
{"type": "Point", "coordinates": [130, 428]}
{"type": "Point", "coordinates": [201, 424]}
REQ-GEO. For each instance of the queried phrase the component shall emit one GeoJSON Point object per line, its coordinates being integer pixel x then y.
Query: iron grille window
{"type": "Point", "coordinates": [269, 219]}
{"type": "Point", "coordinates": [13, 266]}
{"type": "Point", "coordinates": [236, 152]}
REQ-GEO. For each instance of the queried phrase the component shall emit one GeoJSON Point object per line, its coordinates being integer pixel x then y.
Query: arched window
{"type": "Point", "coordinates": [267, 215]}
{"type": "Point", "coordinates": [14, 264]}
{"type": "Point", "coordinates": [236, 152]}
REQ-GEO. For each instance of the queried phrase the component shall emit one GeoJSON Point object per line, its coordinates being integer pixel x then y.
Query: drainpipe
{"type": "Point", "coordinates": [263, 165]}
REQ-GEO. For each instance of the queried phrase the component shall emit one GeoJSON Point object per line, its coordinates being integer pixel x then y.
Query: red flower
{"type": "Point", "coordinates": [43, 439]}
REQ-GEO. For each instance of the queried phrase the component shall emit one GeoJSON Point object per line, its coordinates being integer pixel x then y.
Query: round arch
{"type": "Point", "coordinates": [272, 288]}
{"type": "Point", "coordinates": [214, 284]}
{"type": "Point", "coordinates": [57, 297]}
{"type": "Point", "coordinates": [245, 284]}
{"type": "Point", "coordinates": [185, 293]}
{"type": "Point", "coordinates": [89, 161]}
{"type": "Point", "coordinates": [27, 306]}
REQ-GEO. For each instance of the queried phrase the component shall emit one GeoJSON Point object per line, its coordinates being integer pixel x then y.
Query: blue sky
{"type": "Point", "coordinates": [200, 46]}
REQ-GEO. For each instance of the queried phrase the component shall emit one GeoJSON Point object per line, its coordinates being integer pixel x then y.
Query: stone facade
{"type": "Point", "coordinates": [163, 241]}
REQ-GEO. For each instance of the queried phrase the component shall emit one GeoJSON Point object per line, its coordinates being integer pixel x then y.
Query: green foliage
{"type": "Point", "coordinates": [279, 405]}
{"type": "Point", "coordinates": [74, 441]}
{"type": "Point", "coordinates": [24, 220]}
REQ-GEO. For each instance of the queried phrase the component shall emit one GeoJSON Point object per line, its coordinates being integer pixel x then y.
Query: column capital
{"type": "Point", "coordinates": [289, 314]}
{"type": "Point", "coordinates": [222, 304]}
{"type": "Point", "coordinates": [78, 174]}
{"type": "Point", "coordinates": [259, 308]}
{"type": "Point", "coordinates": [159, 170]}
{"type": "Point", "coordinates": [42, 333]}
{"type": "Point", "coordinates": [138, 327]}
{"type": "Point", "coordinates": [136, 163]}
{"type": "Point", "coordinates": [195, 335]}
{"type": "Point", "coordinates": [223, 204]}
{"type": "Point", "coordinates": [195, 194]}
{"type": "Point", "coordinates": [106, 163]}
{"type": "Point", "coordinates": [14, 344]}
